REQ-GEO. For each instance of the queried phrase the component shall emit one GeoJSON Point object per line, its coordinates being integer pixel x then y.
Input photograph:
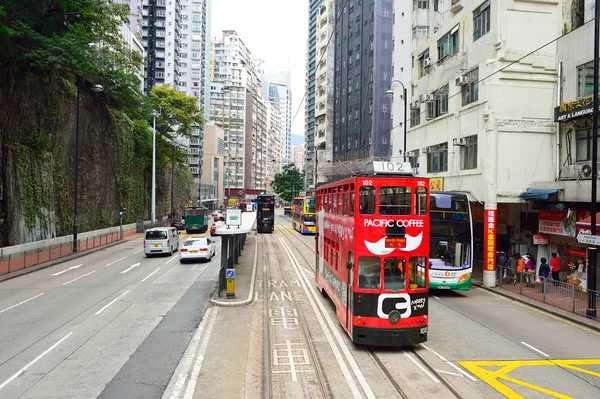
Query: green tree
{"type": "Point", "coordinates": [288, 183]}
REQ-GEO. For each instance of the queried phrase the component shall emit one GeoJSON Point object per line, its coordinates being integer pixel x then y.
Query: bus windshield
{"type": "Point", "coordinates": [450, 254]}
{"type": "Point", "coordinates": [310, 205]}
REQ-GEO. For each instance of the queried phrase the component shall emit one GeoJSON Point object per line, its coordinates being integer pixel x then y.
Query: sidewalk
{"type": "Point", "coordinates": [566, 304]}
{"type": "Point", "coordinates": [35, 260]}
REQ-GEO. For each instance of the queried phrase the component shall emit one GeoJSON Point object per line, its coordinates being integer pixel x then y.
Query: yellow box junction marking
{"type": "Point", "coordinates": [493, 377]}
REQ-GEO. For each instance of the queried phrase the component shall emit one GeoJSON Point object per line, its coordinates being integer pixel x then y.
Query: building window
{"type": "Point", "coordinates": [470, 91]}
{"type": "Point", "coordinates": [481, 20]}
{"type": "Point", "coordinates": [437, 159]}
{"type": "Point", "coordinates": [468, 153]}
{"type": "Point", "coordinates": [448, 44]}
{"type": "Point", "coordinates": [439, 104]}
{"type": "Point", "coordinates": [420, 32]}
{"type": "Point", "coordinates": [583, 148]}
{"type": "Point", "coordinates": [422, 4]}
{"type": "Point", "coordinates": [423, 58]}
{"type": "Point", "coordinates": [585, 79]}
{"type": "Point", "coordinates": [415, 116]}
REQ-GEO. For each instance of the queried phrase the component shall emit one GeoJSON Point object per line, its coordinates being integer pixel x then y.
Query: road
{"type": "Point", "coordinates": [108, 324]}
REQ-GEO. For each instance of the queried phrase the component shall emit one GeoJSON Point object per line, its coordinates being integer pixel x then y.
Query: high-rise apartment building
{"type": "Point", "coordinates": [323, 140]}
{"type": "Point", "coordinates": [298, 153]}
{"type": "Point", "coordinates": [363, 71]}
{"type": "Point", "coordinates": [311, 67]}
{"type": "Point", "coordinates": [276, 142]}
{"type": "Point", "coordinates": [276, 88]}
{"type": "Point", "coordinates": [238, 107]}
{"type": "Point", "coordinates": [176, 39]}
{"type": "Point", "coordinates": [211, 191]}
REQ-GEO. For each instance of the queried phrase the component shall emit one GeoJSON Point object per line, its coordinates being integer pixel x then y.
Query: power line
{"type": "Point", "coordinates": [508, 65]}
{"type": "Point", "coordinates": [322, 55]}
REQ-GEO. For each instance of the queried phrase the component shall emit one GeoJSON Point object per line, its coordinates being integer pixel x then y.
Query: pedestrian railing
{"type": "Point", "coordinates": [554, 293]}
{"type": "Point", "coordinates": [23, 260]}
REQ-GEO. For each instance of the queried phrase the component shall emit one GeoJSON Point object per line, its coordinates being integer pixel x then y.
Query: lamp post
{"type": "Point", "coordinates": [390, 93]}
{"type": "Point", "coordinates": [153, 210]}
{"type": "Point", "coordinates": [97, 88]}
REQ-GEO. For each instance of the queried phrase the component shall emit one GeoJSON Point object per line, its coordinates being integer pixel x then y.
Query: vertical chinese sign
{"type": "Point", "coordinates": [489, 237]}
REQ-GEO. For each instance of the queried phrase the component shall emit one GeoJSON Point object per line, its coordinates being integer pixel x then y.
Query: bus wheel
{"type": "Point", "coordinates": [324, 293]}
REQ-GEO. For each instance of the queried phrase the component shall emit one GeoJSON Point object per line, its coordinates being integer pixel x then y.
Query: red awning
{"type": "Point", "coordinates": [588, 221]}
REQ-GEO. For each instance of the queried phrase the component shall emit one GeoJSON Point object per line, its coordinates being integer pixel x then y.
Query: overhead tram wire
{"type": "Point", "coordinates": [511, 64]}
{"type": "Point", "coordinates": [322, 55]}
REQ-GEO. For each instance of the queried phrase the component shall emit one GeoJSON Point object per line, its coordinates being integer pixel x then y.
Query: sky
{"type": "Point", "coordinates": [275, 31]}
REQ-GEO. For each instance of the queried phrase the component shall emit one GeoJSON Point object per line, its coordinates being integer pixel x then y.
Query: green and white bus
{"type": "Point", "coordinates": [451, 241]}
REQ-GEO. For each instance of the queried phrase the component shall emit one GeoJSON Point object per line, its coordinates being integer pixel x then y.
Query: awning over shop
{"type": "Point", "coordinates": [538, 193]}
{"type": "Point", "coordinates": [587, 222]}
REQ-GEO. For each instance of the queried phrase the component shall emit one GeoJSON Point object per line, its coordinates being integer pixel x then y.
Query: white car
{"type": "Point", "coordinates": [197, 248]}
{"type": "Point", "coordinates": [161, 240]}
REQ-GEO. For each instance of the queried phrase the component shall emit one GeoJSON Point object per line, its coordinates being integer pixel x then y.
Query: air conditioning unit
{"type": "Point", "coordinates": [427, 62]}
{"type": "Point", "coordinates": [459, 141]}
{"type": "Point", "coordinates": [415, 104]}
{"type": "Point", "coordinates": [461, 81]}
{"type": "Point", "coordinates": [570, 172]}
{"type": "Point", "coordinates": [421, 98]}
{"type": "Point", "coordinates": [426, 150]}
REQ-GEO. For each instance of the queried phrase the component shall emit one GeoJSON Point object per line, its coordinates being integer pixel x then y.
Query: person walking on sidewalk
{"type": "Point", "coordinates": [530, 269]}
{"type": "Point", "coordinates": [544, 272]}
{"type": "Point", "coordinates": [555, 265]}
{"type": "Point", "coordinates": [520, 268]}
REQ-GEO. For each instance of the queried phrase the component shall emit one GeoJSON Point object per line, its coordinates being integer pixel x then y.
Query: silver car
{"type": "Point", "coordinates": [161, 240]}
{"type": "Point", "coordinates": [196, 249]}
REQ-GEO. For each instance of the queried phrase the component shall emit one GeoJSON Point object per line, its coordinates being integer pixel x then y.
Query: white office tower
{"type": "Point", "coordinates": [276, 142]}
{"type": "Point", "coordinates": [276, 88]}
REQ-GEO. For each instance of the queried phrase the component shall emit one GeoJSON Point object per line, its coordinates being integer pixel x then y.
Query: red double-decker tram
{"type": "Point", "coordinates": [372, 249]}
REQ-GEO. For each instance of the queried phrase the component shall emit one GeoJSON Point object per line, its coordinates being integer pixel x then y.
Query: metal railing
{"type": "Point", "coordinates": [558, 294]}
{"type": "Point", "coordinates": [33, 257]}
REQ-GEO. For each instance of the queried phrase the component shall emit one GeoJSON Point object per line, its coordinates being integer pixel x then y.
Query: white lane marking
{"type": "Point", "coordinates": [323, 317]}
{"type": "Point", "coordinates": [148, 276]}
{"type": "Point", "coordinates": [128, 269]}
{"type": "Point", "coordinates": [423, 369]}
{"type": "Point", "coordinates": [188, 357]}
{"type": "Point", "coordinates": [172, 259]}
{"type": "Point", "coordinates": [20, 303]}
{"type": "Point", "coordinates": [75, 279]}
{"type": "Point", "coordinates": [138, 251]}
{"type": "Point", "coordinates": [191, 386]}
{"type": "Point", "coordinates": [436, 297]}
{"type": "Point", "coordinates": [111, 302]}
{"type": "Point", "coordinates": [31, 363]}
{"type": "Point", "coordinates": [112, 263]}
{"type": "Point", "coordinates": [66, 270]}
{"type": "Point", "coordinates": [535, 349]}
{"type": "Point", "coordinates": [449, 363]}
{"type": "Point", "coordinates": [448, 372]}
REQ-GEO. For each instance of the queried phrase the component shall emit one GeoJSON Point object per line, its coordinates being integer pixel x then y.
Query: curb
{"type": "Point", "coordinates": [35, 268]}
{"type": "Point", "coordinates": [250, 294]}
{"type": "Point", "coordinates": [539, 307]}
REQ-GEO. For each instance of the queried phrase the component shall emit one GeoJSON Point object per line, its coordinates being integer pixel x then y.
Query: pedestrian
{"type": "Point", "coordinates": [555, 266]}
{"type": "Point", "coordinates": [520, 268]}
{"type": "Point", "coordinates": [530, 270]}
{"type": "Point", "coordinates": [544, 272]}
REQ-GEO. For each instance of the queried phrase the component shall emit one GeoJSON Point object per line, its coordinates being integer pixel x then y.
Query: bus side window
{"type": "Point", "coordinates": [367, 200]}
{"type": "Point", "coordinates": [421, 201]}
{"type": "Point", "coordinates": [416, 272]}
{"type": "Point", "coordinates": [369, 272]}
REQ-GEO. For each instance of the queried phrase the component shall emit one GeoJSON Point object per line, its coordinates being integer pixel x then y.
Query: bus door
{"type": "Point", "coordinates": [350, 291]}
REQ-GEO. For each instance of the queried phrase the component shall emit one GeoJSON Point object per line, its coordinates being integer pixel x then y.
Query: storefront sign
{"type": "Point", "coordinates": [436, 184]}
{"type": "Point", "coordinates": [576, 252]}
{"type": "Point", "coordinates": [560, 223]}
{"type": "Point", "coordinates": [573, 109]}
{"type": "Point", "coordinates": [489, 238]}
{"type": "Point", "coordinates": [540, 240]}
{"type": "Point", "coordinates": [477, 212]}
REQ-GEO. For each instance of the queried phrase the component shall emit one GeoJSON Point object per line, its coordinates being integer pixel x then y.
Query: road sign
{"type": "Point", "coordinates": [230, 273]}
{"type": "Point", "coordinates": [588, 239]}
{"type": "Point", "coordinates": [234, 217]}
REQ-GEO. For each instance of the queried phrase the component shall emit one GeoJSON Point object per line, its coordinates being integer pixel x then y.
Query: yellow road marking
{"type": "Point", "coordinates": [140, 238]}
{"type": "Point", "coordinates": [492, 377]}
{"type": "Point", "coordinates": [540, 312]}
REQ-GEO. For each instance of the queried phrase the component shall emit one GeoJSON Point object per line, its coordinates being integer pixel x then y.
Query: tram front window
{"type": "Point", "coordinates": [369, 272]}
{"type": "Point", "coordinates": [394, 277]}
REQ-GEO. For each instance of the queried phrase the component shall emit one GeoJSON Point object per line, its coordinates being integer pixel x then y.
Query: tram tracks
{"type": "Point", "coordinates": [285, 272]}
{"type": "Point", "coordinates": [377, 359]}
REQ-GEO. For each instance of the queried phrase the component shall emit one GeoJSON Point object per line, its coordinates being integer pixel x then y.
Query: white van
{"type": "Point", "coordinates": [161, 240]}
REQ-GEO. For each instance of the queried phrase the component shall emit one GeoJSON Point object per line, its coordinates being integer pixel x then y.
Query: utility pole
{"type": "Point", "coordinates": [173, 183]}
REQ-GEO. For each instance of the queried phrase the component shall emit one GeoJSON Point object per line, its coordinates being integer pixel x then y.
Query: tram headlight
{"type": "Point", "coordinates": [394, 317]}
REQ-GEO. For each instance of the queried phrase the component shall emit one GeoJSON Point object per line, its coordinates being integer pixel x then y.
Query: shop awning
{"type": "Point", "coordinates": [587, 222]}
{"type": "Point", "coordinates": [538, 193]}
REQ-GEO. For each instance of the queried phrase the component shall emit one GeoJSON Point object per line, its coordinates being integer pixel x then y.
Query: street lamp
{"type": "Point", "coordinates": [97, 88]}
{"type": "Point", "coordinates": [390, 93]}
{"type": "Point", "coordinates": [153, 210]}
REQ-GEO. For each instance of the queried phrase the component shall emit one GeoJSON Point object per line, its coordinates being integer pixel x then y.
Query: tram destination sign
{"type": "Point", "coordinates": [395, 242]}
{"type": "Point", "coordinates": [389, 168]}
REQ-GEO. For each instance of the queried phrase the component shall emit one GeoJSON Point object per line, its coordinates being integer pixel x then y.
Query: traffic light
{"type": "Point", "coordinates": [122, 211]}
